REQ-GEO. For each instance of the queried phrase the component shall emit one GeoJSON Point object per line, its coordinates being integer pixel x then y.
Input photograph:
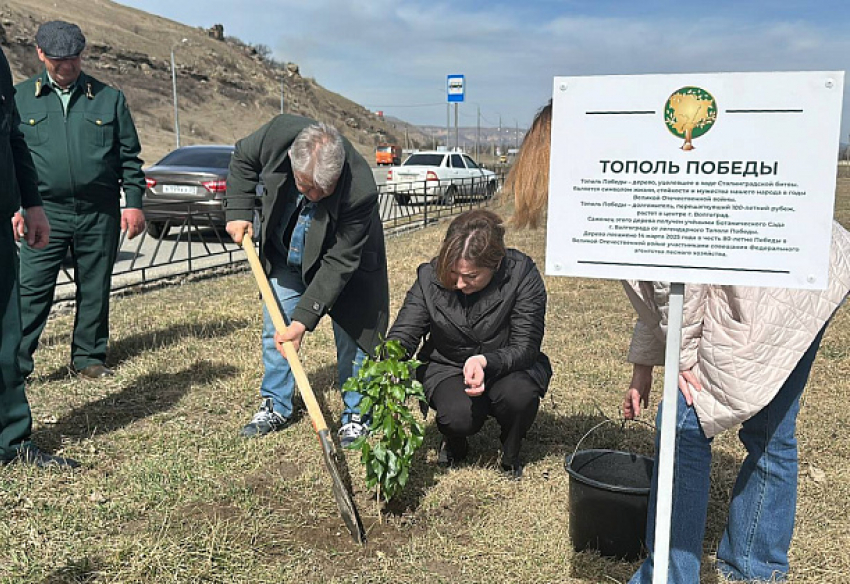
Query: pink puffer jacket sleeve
{"type": "Point", "coordinates": [651, 302]}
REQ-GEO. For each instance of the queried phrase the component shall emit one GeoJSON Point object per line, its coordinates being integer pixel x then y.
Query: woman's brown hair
{"type": "Point", "coordinates": [476, 236]}
{"type": "Point", "coordinates": [528, 179]}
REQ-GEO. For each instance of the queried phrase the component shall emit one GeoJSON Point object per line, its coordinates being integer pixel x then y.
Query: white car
{"type": "Point", "coordinates": [443, 177]}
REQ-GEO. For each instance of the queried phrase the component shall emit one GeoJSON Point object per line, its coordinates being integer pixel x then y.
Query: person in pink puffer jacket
{"type": "Point", "coordinates": [745, 358]}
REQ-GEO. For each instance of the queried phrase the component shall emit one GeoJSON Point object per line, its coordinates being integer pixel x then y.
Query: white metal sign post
{"type": "Point", "coordinates": [667, 443]}
{"type": "Point", "coordinates": [724, 178]}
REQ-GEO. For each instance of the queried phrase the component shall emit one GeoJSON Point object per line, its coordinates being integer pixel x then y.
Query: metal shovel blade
{"type": "Point", "coordinates": [343, 497]}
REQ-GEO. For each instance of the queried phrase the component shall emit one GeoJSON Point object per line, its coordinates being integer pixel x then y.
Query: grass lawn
{"type": "Point", "coordinates": [170, 493]}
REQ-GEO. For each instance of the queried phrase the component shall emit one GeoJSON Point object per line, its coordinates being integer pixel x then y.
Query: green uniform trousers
{"type": "Point", "coordinates": [92, 237]}
{"type": "Point", "coordinates": [15, 415]}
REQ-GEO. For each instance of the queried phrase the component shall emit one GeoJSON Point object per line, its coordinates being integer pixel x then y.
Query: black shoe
{"type": "Point", "coordinates": [452, 451]}
{"type": "Point", "coordinates": [32, 455]}
{"type": "Point", "coordinates": [265, 421]}
{"type": "Point", "coordinates": [512, 470]}
{"type": "Point", "coordinates": [94, 372]}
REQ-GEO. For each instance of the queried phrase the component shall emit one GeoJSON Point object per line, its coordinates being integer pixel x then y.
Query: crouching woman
{"type": "Point", "coordinates": [479, 308]}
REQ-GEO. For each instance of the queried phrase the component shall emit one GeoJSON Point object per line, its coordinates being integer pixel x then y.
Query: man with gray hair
{"type": "Point", "coordinates": [322, 246]}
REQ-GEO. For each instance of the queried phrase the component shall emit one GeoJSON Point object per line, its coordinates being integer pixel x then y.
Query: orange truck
{"type": "Point", "coordinates": [388, 154]}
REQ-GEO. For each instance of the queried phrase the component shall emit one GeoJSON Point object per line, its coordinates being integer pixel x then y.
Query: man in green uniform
{"type": "Point", "coordinates": [85, 149]}
{"type": "Point", "coordinates": [17, 187]}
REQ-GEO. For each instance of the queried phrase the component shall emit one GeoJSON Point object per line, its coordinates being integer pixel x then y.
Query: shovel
{"type": "Point", "coordinates": [343, 497]}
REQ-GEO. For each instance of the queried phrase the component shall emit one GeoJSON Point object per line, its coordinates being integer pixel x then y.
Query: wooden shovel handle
{"type": "Point", "coordinates": [280, 325]}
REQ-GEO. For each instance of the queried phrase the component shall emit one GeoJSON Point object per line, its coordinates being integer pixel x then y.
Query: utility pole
{"type": "Point", "coordinates": [174, 93]}
{"type": "Point", "coordinates": [478, 134]}
{"type": "Point", "coordinates": [500, 135]}
{"type": "Point", "coordinates": [516, 139]}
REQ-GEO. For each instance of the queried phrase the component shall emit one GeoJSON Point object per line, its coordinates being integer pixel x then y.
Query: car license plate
{"type": "Point", "coordinates": [179, 190]}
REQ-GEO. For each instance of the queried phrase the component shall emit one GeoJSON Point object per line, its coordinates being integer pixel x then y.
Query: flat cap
{"type": "Point", "coordinates": [60, 40]}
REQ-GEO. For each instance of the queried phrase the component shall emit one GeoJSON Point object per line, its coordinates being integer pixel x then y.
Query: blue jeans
{"type": "Point", "coordinates": [278, 381]}
{"type": "Point", "coordinates": [761, 512]}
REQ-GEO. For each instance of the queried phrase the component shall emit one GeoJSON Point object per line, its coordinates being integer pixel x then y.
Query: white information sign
{"type": "Point", "coordinates": [724, 178]}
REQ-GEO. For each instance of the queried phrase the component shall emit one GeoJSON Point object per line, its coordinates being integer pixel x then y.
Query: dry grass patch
{"type": "Point", "coordinates": [170, 492]}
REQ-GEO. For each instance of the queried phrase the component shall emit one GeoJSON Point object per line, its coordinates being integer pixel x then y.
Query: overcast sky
{"type": "Point", "coordinates": [394, 55]}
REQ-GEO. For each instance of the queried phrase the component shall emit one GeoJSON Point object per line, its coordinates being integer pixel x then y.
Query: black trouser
{"type": "Point", "coordinates": [513, 400]}
{"type": "Point", "coordinates": [15, 417]}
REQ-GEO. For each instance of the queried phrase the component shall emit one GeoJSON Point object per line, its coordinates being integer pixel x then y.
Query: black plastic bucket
{"type": "Point", "coordinates": [609, 495]}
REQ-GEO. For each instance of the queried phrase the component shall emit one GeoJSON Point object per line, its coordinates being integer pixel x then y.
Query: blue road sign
{"type": "Point", "coordinates": [454, 88]}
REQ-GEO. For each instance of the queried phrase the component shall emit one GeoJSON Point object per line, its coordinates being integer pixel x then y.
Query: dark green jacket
{"type": "Point", "coordinates": [18, 181]}
{"type": "Point", "coordinates": [88, 156]}
{"type": "Point", "coordinates": [345, 262]}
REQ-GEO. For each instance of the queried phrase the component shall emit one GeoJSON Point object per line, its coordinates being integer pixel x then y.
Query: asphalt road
{"type": "Point", "coordinates": [380, 175]}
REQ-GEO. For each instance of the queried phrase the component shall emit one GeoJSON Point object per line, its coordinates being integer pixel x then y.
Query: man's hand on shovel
{"type": "Point", "coordinates": [239, 229]}
{"type": "Point", "coordinates": [294, 333]}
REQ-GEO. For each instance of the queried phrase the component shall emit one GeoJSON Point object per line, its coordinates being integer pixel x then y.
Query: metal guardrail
{"type": "Point", "coordinates": [418, 203]}
{"type": "Point", "coordinates": [196, 241]}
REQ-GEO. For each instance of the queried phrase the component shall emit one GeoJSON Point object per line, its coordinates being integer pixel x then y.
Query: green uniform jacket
{"type": "Point", "coordinates": [18, 181]}
{"type": "Point", "coordinates": [345, 262]}
{"type": "Point", "coordinates": [86, 157]}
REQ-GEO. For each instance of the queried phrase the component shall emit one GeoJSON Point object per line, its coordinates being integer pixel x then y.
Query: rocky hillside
{"type": "Point", "coordinates": [226, 89]}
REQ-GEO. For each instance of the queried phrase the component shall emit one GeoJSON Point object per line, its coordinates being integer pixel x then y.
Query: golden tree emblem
{"type": "Point", "coordinates": [689, 113]}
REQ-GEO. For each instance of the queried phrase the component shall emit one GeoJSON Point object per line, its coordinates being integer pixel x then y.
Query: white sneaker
{"type": "Point", "coordinates": [351, 431]}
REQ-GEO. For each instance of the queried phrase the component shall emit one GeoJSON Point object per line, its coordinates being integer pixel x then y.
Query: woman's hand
{"type": "Point", "coordinates": [688, 383]}
{"type": "Point", "coordinates": [473, 375]}
{"type": "Point", "coordinates": [638, 392]}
